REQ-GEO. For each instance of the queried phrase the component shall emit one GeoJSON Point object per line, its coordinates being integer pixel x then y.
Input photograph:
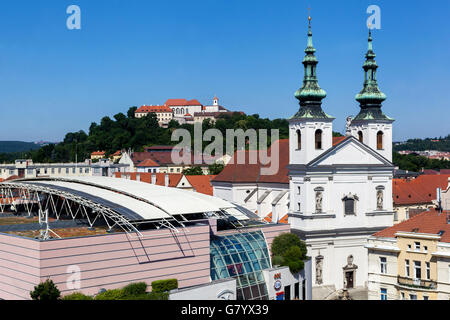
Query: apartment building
{"type": "Point", "coordinates": [411, 260]}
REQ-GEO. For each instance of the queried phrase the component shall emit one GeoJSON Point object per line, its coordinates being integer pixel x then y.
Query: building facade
{"type": "Point", "coordinates": [411, 260]}
{"type": "Point", "coordinates": [341, 194]}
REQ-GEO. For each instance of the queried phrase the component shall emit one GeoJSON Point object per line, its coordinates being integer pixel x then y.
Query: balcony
{"type": "Point", "coordinates": [417, 283]}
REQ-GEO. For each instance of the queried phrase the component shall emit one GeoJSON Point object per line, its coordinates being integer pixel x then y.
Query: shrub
{"type": "Point", "coordinates": [164, 285]}
{"type": "Point", "coordinates": [289, 250]}
{"type": "Point", "coordinates": [113, 294]}
{"type": "Point", "coordinates": [149, 296]}
{"type": "Point", "coordinates": [77, 296]}
{"type": "Point", "coordinates": [293, 259]}
{"type": "Point", "coordinates": [45, 291]}
{"type": "Point", "coordinates": [134, 289]}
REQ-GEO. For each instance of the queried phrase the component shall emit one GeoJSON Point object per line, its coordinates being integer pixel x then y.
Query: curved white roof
{"type": "Point", "coordinates": [144, 199]}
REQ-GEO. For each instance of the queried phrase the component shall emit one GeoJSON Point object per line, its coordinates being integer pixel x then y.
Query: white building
{"type": "Point", "coordinates": [339, 189]}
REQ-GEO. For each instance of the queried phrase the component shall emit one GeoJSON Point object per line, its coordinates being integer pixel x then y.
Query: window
{"type": "Point", "coordinates": [383, 265]}
{"type": "Point", "coordinates": [427, 266]}
{"type": "Point", "coordinates": [360, 136]}
{"type": "Point", "coordinates": [380, 140]}
{"type": "Point", "coordinates": [299, 140]}
{"type": "Point", "coordinates": [67, 170]}
{"type": "Point", "coordinates": [403, 295]}
{"type": "Point", "coordinates": [318, 139]}
{"type": "Point", "coordinates": [425, 249]}
{"type": "Point", "coordinates": [413, 297]}
{"type": "Point", "coordinates": [383, 294]}
{"type": "Point", "coordinates": [417, 270]}
{"type": "Point", "coordinates": [409, 247]}
{"type": "Point", "coordinates": [299, 206]}
{"type": "Point", "coordinates": [407, 268]}
{"type": "Point", "coordinates": [298, 188]}
{"type": "Point", "coordinates": [417, 246]}
{"type": "Point", "coordinates": [350, 204]}
{"type": "Point", "coordinates": [425, 297]}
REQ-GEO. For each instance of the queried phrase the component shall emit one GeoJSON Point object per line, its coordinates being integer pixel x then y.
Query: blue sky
{"type": "Point", "coordinates": [248, 53]}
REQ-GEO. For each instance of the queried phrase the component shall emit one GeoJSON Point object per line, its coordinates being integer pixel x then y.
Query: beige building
{"type": "Point", "coordinates": [163, 113]}
{"type": "Point", "coordinates": [411, 260]}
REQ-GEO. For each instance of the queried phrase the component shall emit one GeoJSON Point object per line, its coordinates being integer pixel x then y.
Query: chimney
{"type": "Point", "coordinates": [166, 180]}
{"type": "Point", "coordinates": [153, 178]}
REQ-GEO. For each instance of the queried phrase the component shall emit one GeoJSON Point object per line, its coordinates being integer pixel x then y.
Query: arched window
{"type": "Point", "coordinates": [318, 139]}
{"type": "Point", "coordinates": [299, 140]}
{"type": "Point", "coordinates": [182, 111]}
{"type": "Point", "coordinates": [380, 140]}
{"type": "Point", "coordinates": [360, 136]}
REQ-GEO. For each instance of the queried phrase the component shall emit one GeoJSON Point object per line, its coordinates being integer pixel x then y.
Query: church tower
{"type": "Point", "coordinates": [310, 129]}
{"type": "Point", "coordinates": [371, 126]}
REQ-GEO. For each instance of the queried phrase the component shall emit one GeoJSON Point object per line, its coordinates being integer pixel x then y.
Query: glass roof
{"type": "Point", "coordinates": [242, 256]}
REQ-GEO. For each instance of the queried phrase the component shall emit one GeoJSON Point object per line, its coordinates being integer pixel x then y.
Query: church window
{"type": "Point", "coordinates": [299, 140]}
{"type": "Point", "coordinates": [350, 204]}
{"type": "Point", "coordinates": [318, 139]}
{"type": "Point", "coordinates": [360, 136]}
{"type": "Point", "coordinates": [380, 140]}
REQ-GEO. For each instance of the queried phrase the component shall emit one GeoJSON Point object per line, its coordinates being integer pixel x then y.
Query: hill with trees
{"type": "Point", "coordinates": [17, 146]}
{"type": "Point", "coordinates": [439, 144]}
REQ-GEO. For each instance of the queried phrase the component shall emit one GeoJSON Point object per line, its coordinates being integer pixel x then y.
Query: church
{"type": "Point", "coordinates": [335, 191]}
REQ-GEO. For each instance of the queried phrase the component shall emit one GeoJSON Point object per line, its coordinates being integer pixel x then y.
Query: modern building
{"type": "Point", "coordinates": [411, 260]}
{"type": "Point", "coordinates": [23, 168]}
{"type": "Point", "coordinates": [94, 233]}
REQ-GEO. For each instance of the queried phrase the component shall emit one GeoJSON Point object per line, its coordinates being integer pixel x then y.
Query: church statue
{"type": "Point", "coordinates": [318, 202]}
{"type": "Point", "coordinates": [319, 264]}
{"type": "Point", "coordinates": [379, 200]}
{"type": "Point", "coordinates": [347, 126]}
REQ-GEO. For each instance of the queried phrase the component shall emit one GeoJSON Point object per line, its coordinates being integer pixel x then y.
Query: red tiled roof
{"type": "Point", "coordinates": [155, 109]}
{"type": "Point", "coordinates": [419, 190]}
{"type": "Point", "coordinates": [248, 172]}
{"type": "Point", "coordinates": [182, 102]}
{"type": "Point", "coordinates": [337, 140]}
{"type": "Point", "coordinates": [430, 171]}
{"type": "Point", "coordinates": [431, 222]}
{"type": "Point", "coordinates": [117, 153]}
{"type": "Point", "coordinates": [148, 163]}
{"type": "Point", "coordinates": [284, 219]}
{"type": "Point", "coordinates": [268, 218]}
{"type": "Point", "coordinates": [12, 178]}
{"type": "Point", "coordinates": [202, 184]}
{"type": "Point", "coordinates": [98, 153]}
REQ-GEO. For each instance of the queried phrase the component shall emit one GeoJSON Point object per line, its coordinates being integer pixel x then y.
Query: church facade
{"type": "Point", "coordinates": [337, 191]}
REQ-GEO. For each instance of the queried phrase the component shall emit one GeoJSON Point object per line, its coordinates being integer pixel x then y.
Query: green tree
{"type": "Point", "coordinates": [193, 171]}
{"type": "Point", "coordinates": [289, 250]}
{"type": "Point", "coordinates": [45, 291]}
{"type": "Point", "coordinates": [215, 168]}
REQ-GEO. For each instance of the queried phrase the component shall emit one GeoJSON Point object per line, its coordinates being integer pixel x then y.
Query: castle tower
{"type": "Point", "coordinates": [310, 129]}
{"type": "Point", "coordinates": [371, 126]}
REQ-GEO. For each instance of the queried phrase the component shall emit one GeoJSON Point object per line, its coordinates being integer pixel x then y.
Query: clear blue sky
{"type": "Point", "coordinates": [248, 53]}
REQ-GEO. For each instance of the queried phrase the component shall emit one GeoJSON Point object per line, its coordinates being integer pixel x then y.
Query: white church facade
{"type": "Point", "coordinates": [336, 191]}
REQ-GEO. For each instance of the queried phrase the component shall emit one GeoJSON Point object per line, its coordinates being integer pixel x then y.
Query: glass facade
{"type": "Point", "coordinates": [242, 256]}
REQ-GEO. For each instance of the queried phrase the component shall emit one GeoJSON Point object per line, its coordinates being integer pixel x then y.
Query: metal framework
{"type": "Point", "coordinates": [44, 198]}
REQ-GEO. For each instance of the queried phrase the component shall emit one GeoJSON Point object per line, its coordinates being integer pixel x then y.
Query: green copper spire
{"type": "Point", "coordinates": [310, 94]}
{"type": "Point", "coordinates": [370, 97]}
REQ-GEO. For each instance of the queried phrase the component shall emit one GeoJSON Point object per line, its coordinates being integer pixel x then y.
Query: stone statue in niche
{"type": "Point", "coordinates": [319, 266]}
{"type": "Point", "coordinates": [379, 199]}
{"type": "Point", "coordinates": [319, 198]}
